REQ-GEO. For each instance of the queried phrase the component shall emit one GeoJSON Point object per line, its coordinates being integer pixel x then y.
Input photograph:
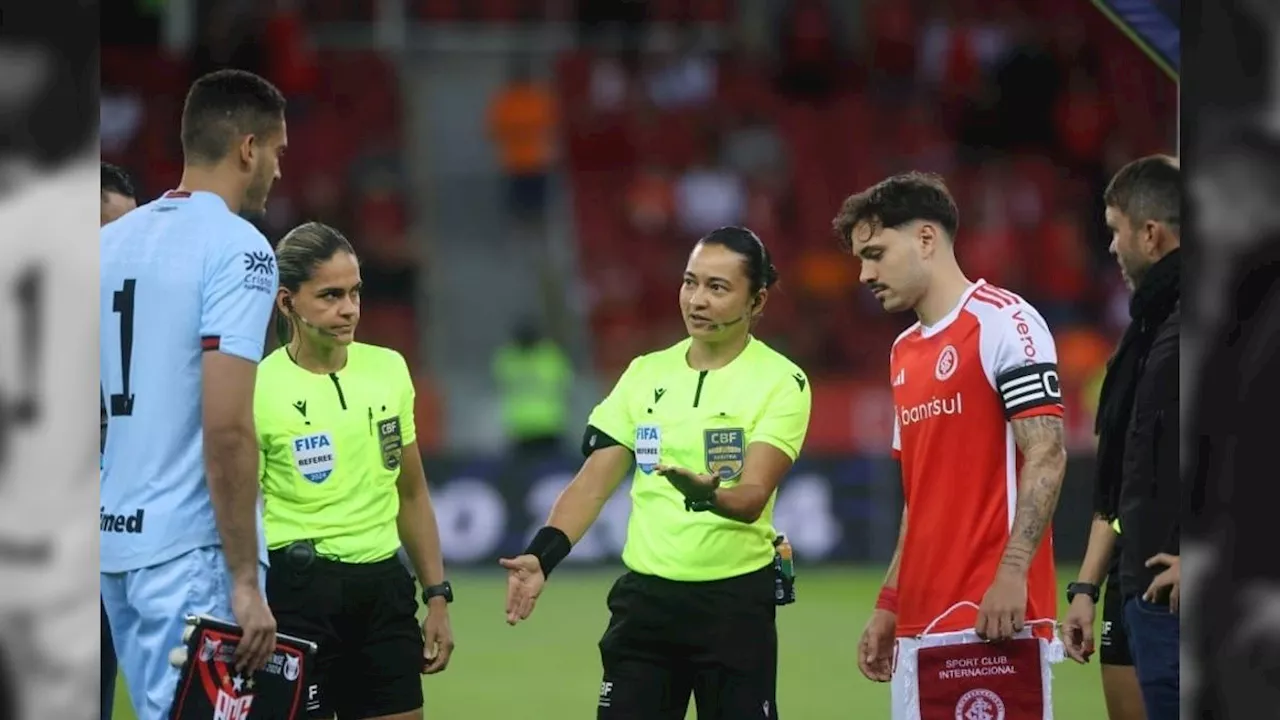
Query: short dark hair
{"type": "Point", "coordinates": [298, 254]}
{"type": "Point", "coordinates": [896, 201]}
{"type": "Point", "coordinates": [1148, 189]}
{"type": "Point", "coordinates": [759, 265]}
{"type": "Point", "coordinates": [116, 180]}
{"type": "Point", "coordinates": [226, 105]}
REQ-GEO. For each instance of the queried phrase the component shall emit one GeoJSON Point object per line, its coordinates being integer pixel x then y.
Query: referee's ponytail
{"type": "Point", "coordinates": [759, 265]}
{"type": "Point", "coordinates": [298, 254]}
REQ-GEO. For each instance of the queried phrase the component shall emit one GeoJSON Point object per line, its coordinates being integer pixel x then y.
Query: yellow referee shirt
{"type": "Point", "coordinates": [330, 449]}
{"type": "Point", "coordinates": [668, 413]}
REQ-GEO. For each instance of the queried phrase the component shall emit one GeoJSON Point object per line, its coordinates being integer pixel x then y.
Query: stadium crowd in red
{"type": "Point", "coordinates": [769, 126]}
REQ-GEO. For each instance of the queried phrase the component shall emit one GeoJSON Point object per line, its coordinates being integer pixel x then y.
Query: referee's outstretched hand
{"type": "Point", "coordinates": [524, 585]}
{"type": "Point", "coordinates": [698, 487]}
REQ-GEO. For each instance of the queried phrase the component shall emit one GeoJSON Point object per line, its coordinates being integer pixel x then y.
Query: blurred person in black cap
{"type": "Point", "coordinates": [1137, 488]}
{"type": "Point", "coordinates": [1231, 499]}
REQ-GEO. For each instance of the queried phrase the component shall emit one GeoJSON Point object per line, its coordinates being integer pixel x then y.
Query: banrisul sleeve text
{"type": "Point", "coordinates": [785, 421]}
{"type": "Point", "coordinates": [613, 415]}
{"type": "Point", "coordinates": [239, 290]}
{"type": "Point", "coordinates": [1020, 357]}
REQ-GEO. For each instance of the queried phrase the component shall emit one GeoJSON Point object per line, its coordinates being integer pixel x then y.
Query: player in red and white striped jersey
{"type": "Point", "coordinates": [978, 427]}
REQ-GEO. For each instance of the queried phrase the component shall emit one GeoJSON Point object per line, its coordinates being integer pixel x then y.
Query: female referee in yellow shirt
{"type": "Point", "coordinates": [344, 489]}
{"type": "Point", "coordinates": [712, 424]}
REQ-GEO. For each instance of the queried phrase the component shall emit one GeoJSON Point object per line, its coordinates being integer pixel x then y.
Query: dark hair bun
{"type": "Point", "coordinates": [760, 269]}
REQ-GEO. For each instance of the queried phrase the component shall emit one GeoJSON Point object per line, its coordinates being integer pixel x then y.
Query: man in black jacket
{"type": "Point", "coordinates": [1137, 488]}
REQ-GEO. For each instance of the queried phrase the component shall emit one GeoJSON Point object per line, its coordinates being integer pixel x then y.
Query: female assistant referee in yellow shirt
{"type": "Point", "coordinates": [344, 489]}
{"type": "Point", "coordinates": [712, 424]}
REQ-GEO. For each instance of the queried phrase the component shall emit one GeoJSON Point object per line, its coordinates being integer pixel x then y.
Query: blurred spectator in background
{"type": "Point", "coordinates": [810, 60]}
{"type": "Point", "coordinates": [611, 79]}
{"type": "Point", "coordinates": [230, 35]}
{"type": "Point", "coordinates": [709, 195]}
{"type": "Point", "coordinates": [120, 116]}
{"type": "Point", "coordinates": [629, 16]}
{"type": "Point", "coordinates": [387, 259]}
{"type": "Point", "coordinates": [1027, 81]}
{"type": "Point", "coordinates": [754, 150]}
{"type": "Point", "coordinates": [522, 123]}
{"type": "Point", "coordinates": [682, 78]}
{"type": "Point", "coordinates": [534, 379]}
{"type": "Point", "coordinates": [650, 200]}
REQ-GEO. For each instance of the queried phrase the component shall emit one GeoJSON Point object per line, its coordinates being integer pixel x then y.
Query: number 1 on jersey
{"type": "Point", "coordinates": [122, 302]}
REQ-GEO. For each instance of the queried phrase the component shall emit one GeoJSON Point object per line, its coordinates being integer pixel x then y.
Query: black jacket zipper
{"type": "Point", "coordinates": [697, 395]}
{"type": "Point", "coordinates": [341, 398]}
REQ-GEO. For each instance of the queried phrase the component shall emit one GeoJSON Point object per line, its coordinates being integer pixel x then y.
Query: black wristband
{"type": "Point", "coordinates": [550, 545]}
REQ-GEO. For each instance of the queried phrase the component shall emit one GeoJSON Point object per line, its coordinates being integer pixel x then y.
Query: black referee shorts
{"type": "Point", "coordinates": [1114, 642]}
{"type": "Point", "coordinates": [364, 619]}
{"type": "Point", "coordinates": [667, 639]}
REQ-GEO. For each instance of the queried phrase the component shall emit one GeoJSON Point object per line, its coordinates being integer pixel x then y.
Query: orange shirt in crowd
{"type": "Point", "coordinates": [522, 122]}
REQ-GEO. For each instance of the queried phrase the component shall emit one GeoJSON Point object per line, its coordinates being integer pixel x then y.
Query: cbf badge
{"type": "Point", "coordinates": [390, 442]}
{"type": "Point", "coordinates": [648, 447]}
{"type": "Point", "coordinates": [725, 451]}
{"type": "Point", "coordinates": [314, 457]}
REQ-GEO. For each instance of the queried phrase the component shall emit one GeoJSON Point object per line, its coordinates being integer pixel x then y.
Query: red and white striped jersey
{"type": "Point", "coordinates": [957, 385]}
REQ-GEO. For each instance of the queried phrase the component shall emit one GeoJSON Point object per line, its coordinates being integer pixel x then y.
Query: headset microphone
{"type": "Point", "coordinates": [714, 327]}
{"type": "Point", "coordinates": [313, 326]}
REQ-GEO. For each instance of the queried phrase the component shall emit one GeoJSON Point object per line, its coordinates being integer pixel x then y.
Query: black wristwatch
{"type": "Point", "coordinates": [1082, 588]}
{"type": "Point", "coordinates": [444, 590]}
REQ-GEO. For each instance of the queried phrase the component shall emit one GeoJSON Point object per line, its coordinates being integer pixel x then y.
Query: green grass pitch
{"type": "Point", "coordinates": [547, 668]}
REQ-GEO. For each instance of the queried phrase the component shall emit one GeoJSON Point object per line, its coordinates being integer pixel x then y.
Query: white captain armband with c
{"type": "Point", "coordinates": [596, 439]}
{"type": "Point", "coordinates": [1029, 386]}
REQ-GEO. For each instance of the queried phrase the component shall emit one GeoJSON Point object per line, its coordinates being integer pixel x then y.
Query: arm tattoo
{"type": "Point", "coordinates": [1044, 463]}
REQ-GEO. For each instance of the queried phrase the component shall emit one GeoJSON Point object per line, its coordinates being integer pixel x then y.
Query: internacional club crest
{"type": "Point", "coordinates": [980, 704]}
{"type": "Point", "coordinates": [948, 360]}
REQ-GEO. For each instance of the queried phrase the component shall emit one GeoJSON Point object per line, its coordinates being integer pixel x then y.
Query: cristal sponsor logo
{"type": "Point", "coordinates": [260, 270]}
{"type": "Point", "coordinates": [262, 263]}
{"type": "Point", "coordinates": [935, 407]}
{"type": "Point", "coordinates": [127, 524]}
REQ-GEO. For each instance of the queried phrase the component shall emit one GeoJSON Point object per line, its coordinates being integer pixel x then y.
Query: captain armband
{"type": "Point", "coordinates": [1029, 386]}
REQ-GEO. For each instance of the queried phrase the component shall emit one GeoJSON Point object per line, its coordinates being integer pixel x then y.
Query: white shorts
{"type": "Point", "coordinates": [148, 609]}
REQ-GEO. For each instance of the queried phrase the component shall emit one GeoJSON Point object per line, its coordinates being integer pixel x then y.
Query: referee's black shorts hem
{"type": "Point", "coordinates": [668, 640]}
{"type": "Point", "coordinates": [1113, 642]}
{"type": "Point", "coordinates": [364, 619]}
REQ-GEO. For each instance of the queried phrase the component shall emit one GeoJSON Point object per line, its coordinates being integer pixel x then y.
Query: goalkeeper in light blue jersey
{"type": "Point", "coordinates": [187, 287]}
